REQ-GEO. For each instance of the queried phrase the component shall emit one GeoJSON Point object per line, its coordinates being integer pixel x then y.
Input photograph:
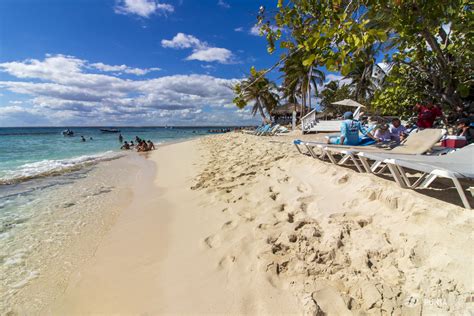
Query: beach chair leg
{"type": "Point", "coordinates": [299, 150]}
{"type": "Point", "coordinates": [382, 169]}
{"type": "Point", "coordinates": [331, 157]}
{"type": "Point", "coordinates": [396, 175]}
{"type": "Point", "coordinates": [417, 182]}
{"type": "Point", "coordinates": [403, 174]}
{"type": "Point", "coordinates": [429, 179]}
{"type": "Point", "coordinates": [311, 151]}
{"type": "Point", "coordinates": [344, 159]}
{"type": "Point", "coordinates": [462, 195]}
{"type": "Point", "coordinates": [356, 163]}
{"type": "Point", "coordinates": [375, 166]}
{"type": "Point", "coordinates": [365, 163]}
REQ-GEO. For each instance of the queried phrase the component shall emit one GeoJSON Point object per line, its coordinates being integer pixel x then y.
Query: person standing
{"type": "Point", "coordinates": [427, 115]}
{"type": "Point", "coordinates": [120, 138]}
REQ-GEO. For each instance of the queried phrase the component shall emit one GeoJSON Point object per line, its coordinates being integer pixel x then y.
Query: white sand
{"type": "Point", "coordinates": [237, 224]}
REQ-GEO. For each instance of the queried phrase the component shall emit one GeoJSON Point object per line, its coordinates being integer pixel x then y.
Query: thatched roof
{"type": "Point", "coordinates": [286, 109]}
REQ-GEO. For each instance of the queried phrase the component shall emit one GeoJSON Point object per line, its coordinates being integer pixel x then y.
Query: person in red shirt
{"type": "Point", "coordinates": [427, 114]}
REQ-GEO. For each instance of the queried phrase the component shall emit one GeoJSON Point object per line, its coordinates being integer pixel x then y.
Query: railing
{"type": "Point", "coordinates": [308, 120]}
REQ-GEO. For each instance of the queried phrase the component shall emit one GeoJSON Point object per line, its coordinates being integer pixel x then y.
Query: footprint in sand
{"type": "Point", "coordinates": [229, 225]}
{"type": "Point", "coordinates": [212, 241]}
{"type": "Point", "coordinates": [227, 261]}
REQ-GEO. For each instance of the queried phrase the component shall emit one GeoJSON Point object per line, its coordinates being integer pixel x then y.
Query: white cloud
{"type": "Point", "coordinates": [201, 50]}
{"type": "Point", "coordinates": [123, 69]}
{"type": "Point", "coordinates": [223, 4]}
{"type": "Point", "coordinates": [182, 40]}
{"type": "Point", "coordinates": [77, 96]}
{"type": "Point", "coordinates": [239, 29]}
{"type": "Point", "coordinates": [143, 8]}
{"type": "Point", "coordinates": [211, 54]}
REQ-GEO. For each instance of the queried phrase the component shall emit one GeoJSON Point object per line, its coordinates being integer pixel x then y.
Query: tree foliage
{"type": "Point", "coordinates": [333, 92]}
{"type": "Point", "coordinates": [299, 79]}
{"type": "Point", "coordinates": [427, 40]}
{"type": "Point", "coordinates": [259, 90]}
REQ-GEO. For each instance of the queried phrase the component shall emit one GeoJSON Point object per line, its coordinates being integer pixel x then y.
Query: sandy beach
{"type": "Point", "coordinates": [237, 224]}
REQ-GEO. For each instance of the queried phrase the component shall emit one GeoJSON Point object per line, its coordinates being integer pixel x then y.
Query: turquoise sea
{"type": "Point", "coordinates": [27, 153]}
{"type": "Point", "coordinates": [52, 187]}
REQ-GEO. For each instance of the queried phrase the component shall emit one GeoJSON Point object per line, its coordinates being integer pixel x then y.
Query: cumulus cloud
{"type": "Point", "coordinates": [143, 8]}
{"type": "Point", "coordinates": [201, 50]}
{"type": "Point", "coordinates": [182, 40]}
{"type": "Point", "coordinates": [210, 54]}
{"type": "Point", "coordinates": [62, 89]}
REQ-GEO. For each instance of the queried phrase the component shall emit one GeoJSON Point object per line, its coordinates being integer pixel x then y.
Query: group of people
{"type": "Point", "coordinates": [141, 145]}
{"type": "Point", "coordinates": [427, 114]}
{"type": "Point", "coordinates": [384, 132]}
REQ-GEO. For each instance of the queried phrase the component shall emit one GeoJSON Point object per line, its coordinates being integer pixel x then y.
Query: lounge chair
{"type": "Point", "coordinates": [456, 165]}
{"type": "Point", "coordinates": [416, 144]}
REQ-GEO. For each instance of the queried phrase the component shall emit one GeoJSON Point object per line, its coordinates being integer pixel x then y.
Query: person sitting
{"type": "Point", "coordinates": [398, 132]}
{"type": "Point", "coordinates": [125, 146]}
{"type": "Point", "coordinates": [142, 146]}
{"type": "Point", "coordinates": [350, 132]}
{"type": "Point", "coordinates": [151, 146]}
{"type": "Point", "coordinates": [465, 129]}
{"type": "Point", "coordinates": [382, 133]}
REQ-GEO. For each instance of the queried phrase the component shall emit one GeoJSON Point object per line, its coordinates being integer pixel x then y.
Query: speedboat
{"type": "Point", "coordinates": [109, 130]}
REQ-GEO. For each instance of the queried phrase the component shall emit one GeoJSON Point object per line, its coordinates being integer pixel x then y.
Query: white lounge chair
{"type": "Point", "coordinates": [416, 144]}
{"type": "Point", "coordinates": [456, 165]}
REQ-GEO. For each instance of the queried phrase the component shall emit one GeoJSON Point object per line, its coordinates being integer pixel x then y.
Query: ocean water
{"type": "Point", "coordinates": [54, 188]}
{"type": "Point", "coordinates": [27, 153]}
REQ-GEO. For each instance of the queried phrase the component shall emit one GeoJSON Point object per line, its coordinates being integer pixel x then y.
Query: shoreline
{"type": "Point", "coordinates": [237, 224]}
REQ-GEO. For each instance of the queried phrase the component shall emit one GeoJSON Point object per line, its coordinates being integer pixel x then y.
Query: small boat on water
{"type": "Point", "coordinates": [67, 132]}
{"type": "Point", "coordinates": [109, 130]}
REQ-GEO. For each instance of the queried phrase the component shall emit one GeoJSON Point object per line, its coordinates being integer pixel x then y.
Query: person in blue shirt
{"type": "Point", "coordinates": [350, 129]}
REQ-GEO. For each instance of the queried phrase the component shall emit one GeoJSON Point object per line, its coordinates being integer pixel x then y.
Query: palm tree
{"type": "Point", "coordinates": [361, 76]}
{"type": "Point", "coordinates": [298, 80]}
{"type": "Point", "coordinates": [259, 90]}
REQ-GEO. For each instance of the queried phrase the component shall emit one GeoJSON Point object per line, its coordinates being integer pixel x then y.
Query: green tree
{"type": "Point", "coordinates": [332, 93]}
{"type": "Point", "coordinates": [433, 38]}
{"type": "Point", "coordinates": [361, 76]}
{"type": "Point", "coordinates": [256, 89]}
{"type": "Point", "coordinates": [299, 79]}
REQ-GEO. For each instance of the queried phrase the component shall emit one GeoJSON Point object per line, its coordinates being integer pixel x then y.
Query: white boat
{"type": "Point", "coordinates": [310, 123]}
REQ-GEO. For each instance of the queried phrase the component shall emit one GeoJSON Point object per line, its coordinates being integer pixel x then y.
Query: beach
{"type": "Point", "coordinates": [238, 224]}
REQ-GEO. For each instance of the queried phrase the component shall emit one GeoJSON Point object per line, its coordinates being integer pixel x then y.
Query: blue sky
{"type": "Point", "coordinates": [126, 62]}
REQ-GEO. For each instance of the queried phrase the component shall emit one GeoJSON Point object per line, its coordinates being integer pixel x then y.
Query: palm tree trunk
{"type": "Point", "coordinates": [260, 109]}
{"type": "Point", "coordinates": [309, 87]}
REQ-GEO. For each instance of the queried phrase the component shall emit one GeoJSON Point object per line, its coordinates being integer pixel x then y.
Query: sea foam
{"type": "Point", "coordinates": [47, 168]}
